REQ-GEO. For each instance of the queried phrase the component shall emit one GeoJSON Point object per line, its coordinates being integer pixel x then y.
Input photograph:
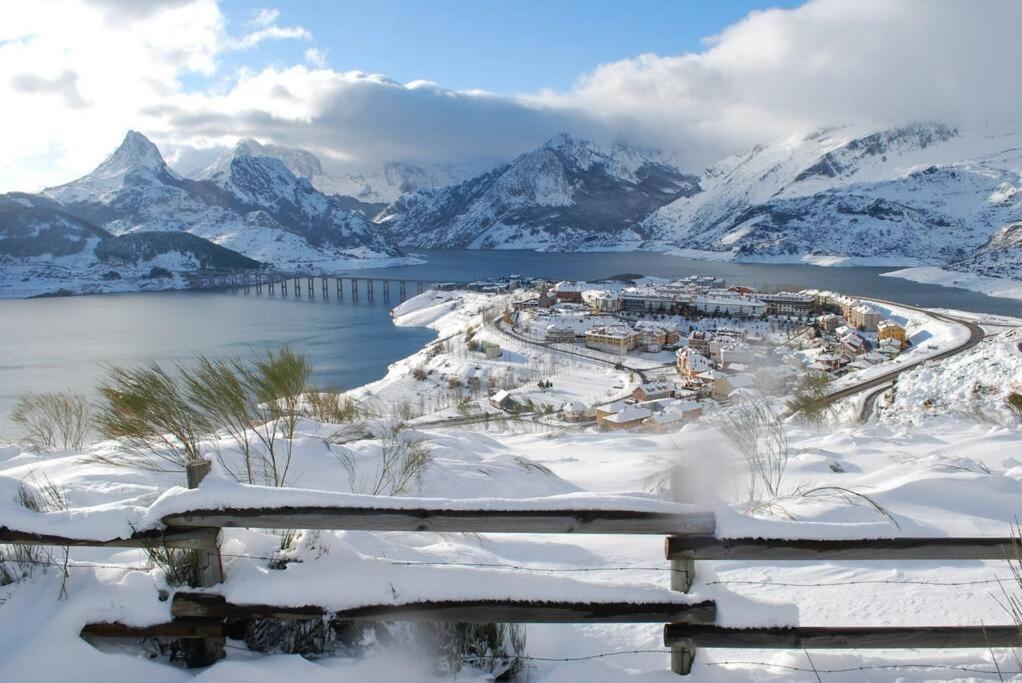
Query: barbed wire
{"type": "Point", "coordinates": [559, 570]}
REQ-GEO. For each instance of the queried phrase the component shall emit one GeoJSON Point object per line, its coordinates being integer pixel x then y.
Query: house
{"type": "Point", "coordinates": [890, 329]}
{"type": "Point", "coordinates": [568, 291]}
{"type": "Point", "coordinates": [576, 411]}
{"type": "Point", "coordinates": [699, 340]}
{"type": "Point", "coordinates": [828, 322]}
{"type": "Point", "coordinates": [830, 361]}
{"type": "Point", "coordinates": [728, 384]}
{"type": "Point", "coordinates": [734, 354]}
{"type": "Point", "coordinates": [618, 339]}
{"type": "Point", "coordinates": [655, 336]}
{"type": "Point", "coordinates": [674, 416]}
{"type": "Point", "coordinates": [691, 362]}
{"type": "Point", "coordinates": [607, 409]}
{"type": "Point", "coordinates": [627, 418]}
{"type": "Point", "coordinates": [649, 391]}
{"type": "Point", "coordinates": [503, 401]}
{"type": "Point", "coordinates": [557, 334]}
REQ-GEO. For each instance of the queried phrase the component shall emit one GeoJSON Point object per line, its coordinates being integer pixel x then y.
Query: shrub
{"type": "Point", "coordinates": [163, 421]}
{"type": "Point", "coordinates": [1014, 402]}
{"type": "Point", "coordinates": [147, 411]}
{"type": "Point", "coordinates": [810, 398]}
{"type": "Point", "coordinates": [404, 459]}
{"type": "Point", "coordinates": [419, 373]}
{"type": "Point", "coordinates": [53, 420]}
{"type": "Point", "coordinates": [758, 436]}
{"type": "Point", "coordinates": [331, 406]}
{"type": "Point", "coordinates": [21, 561]}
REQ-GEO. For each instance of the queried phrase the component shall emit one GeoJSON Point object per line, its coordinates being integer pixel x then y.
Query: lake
{"type": "Point", "coordinates": [54, 344]}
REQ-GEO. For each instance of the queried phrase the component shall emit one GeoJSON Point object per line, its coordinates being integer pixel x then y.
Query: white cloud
{"type": "Point", "coordinates": [316, 57]}
{"type": "Point", "coordinates": [98, 67]}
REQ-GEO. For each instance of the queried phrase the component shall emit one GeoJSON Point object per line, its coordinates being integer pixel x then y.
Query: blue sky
{"type": "Point", "coordinates": [503, 47]}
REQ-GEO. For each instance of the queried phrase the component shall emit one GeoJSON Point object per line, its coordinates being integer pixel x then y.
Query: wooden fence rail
{"type": "Point", "coordinates": [200, 617]}
{"type": "Point", "coordinates": [773, 550]}
{"type": "Point", "coordinates": [542, 521]}
{"type": "Point", "coordinates": [844, 637]}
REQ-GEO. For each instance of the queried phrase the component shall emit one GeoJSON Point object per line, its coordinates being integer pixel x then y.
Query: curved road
{"type": "Point", "coordinates": [976, 335]}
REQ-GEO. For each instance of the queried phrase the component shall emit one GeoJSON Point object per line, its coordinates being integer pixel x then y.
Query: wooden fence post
{"type": "Point", "coordinates": [209, 571]}
{"type": "Point", "coordinates": [682, 576]}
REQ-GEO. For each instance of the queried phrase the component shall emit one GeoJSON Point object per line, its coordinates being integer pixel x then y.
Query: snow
{"type": "Point", "coordinates": [933, 275]}
{"type": "Point", "coordinates": [932, 467]}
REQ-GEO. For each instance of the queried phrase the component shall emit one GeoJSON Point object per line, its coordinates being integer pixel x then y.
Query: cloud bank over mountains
{"type": "Point", "coordinates": [74, 80]}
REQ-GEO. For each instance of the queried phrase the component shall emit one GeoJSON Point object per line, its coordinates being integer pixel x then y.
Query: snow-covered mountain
{"type": "Point", "coordinates": [366, 192]}
{"type": "Point", "coordinates": [45, 249]}
{"type": "Point", "coordinates": [396, 179]}
{"type": "Point", "coordinates": [924, 193]}
{"type": "Point", "coordinates": [250, 202]}
{"type": "Point", "coordinates": [569, 194]}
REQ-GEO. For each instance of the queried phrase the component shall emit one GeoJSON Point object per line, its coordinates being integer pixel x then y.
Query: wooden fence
{"type": "Point", "coordinates": [199, 617]}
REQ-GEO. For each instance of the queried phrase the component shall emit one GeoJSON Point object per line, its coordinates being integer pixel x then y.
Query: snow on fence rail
{"type": "Point", "coordinates": [193, 519]}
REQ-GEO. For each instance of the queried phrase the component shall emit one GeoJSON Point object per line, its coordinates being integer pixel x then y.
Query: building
{"type": "Point", "coordinates": [723, 302]}
{"type": "Point", "coordinates": [828, 322]}
{"type": "Point", "coordinates": [890, 329]}
{"type": "Point", "coordinates": [502, 400]}
{"type": "Point", "coordinates": [556, 334]}
{"type": "Point", "coordinates": [619, 339]}
{"type": "Point", "coordinates": [691, 362]}
{"type": "Point", "coordinates": [788, 303]}
{"type": "Point", "coordinates": [864, 317]}
{"type": "Point", "coordinates": [568, 292]}
{"type": "Point", "coordinates": [576, 411]}
{"type": "Point", "coordinates": [650, 391]}
{"type": "Point", "coordinates": [735, 354]}
{"type": "Point", "coordinates": [655, 336]}
{"type": "Point", "coordinates": [628, 417]}
{"type": "Point", "coordinates": [700, 341]}
{"type": "Point", "coordinates": [728, 384]}
{"type": "Point", "coordinates": [674, 416]}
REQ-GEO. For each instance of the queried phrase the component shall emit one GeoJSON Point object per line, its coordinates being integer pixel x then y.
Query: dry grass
{"type": "Point", "coordinates": [51, 421]}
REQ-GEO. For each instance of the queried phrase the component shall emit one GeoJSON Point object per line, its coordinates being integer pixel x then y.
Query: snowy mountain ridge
{"type": "Point", "coordinates": [249, 202]}
{"type": "Point", "coordinates": [569, 194]}
{"type": "Point", "coordinates": [924, 193]}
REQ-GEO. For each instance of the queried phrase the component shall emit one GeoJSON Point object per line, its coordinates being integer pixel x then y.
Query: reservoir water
{"type": "Point", "coordinates": [59, 343]}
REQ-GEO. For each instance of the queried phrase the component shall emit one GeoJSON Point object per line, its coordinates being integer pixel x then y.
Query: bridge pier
{"type": "Point", "coordinates": [386, 290]}
{"type": "Point", "coordinates": [270, 285]}
{"type": "Point", "coordinates": [311, 281]}
{"type": "Point", "coordinates": [340, 289]}
{"type": "Point", "coordinates": [298, 286]}
{"type": "Point", "coordinates": [323, 284]}
{"type": "Point", "coordinates": [369, 290]}
{"type": "Point", "coordinates": [259, 284]}
{"type": "Point", "coordinates": [418, 286]}
{"type": "Point", "coordinates": [403, 294]}
{"type": "Point", "coordinates": [354, 289]}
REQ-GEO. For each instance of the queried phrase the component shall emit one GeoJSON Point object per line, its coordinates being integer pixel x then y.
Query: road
{"type": "Point", "coordinates": [976, 335]}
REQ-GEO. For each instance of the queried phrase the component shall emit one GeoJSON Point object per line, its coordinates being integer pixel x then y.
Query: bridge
{"type": "Point", "coordinates": [310, 285]}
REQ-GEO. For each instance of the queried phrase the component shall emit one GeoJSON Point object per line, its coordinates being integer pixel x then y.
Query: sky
{"type": "Point", "coordinates": [361, 84]}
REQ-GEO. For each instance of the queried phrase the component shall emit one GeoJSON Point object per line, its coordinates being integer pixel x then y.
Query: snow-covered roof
{"type": "Point", "coordinates": [629, 414]}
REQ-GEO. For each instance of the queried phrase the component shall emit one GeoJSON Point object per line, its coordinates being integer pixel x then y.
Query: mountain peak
{"type": "Point", "coordinates": [563, 140]}
{"type": "Point", "coordinates": [135, 151]}
{"type": "Point", "coordinates": [251, 147]}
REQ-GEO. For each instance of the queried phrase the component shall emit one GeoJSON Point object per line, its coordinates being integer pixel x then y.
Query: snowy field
{"type": "Point", "coordinates": [942, 456]}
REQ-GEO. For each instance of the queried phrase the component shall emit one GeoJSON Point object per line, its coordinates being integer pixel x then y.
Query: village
{"type": "Point", "coordinates": [671, 351]}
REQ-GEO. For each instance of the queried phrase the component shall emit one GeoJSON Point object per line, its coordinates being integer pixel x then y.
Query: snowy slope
{"type": "Point", "coordinates": [251, 203]}
{"type": "Point", "coordinates": [923, 193]}
{"type": "Point", "coordinates": [568, 195]}
{"type": "Point", "coordinates": [43, 250]}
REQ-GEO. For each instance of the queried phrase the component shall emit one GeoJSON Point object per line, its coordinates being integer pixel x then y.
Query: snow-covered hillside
{"type": "Point", "coordinates": [397, 178]}
{"type": "Point", "coordinates": [567, 195]}
{"type": "Point", "coordinates": [924, 193]}
{"type": "Point", "coordinates": [44, 250]}
{"type": "Point", "coordinates": [250, 202]}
